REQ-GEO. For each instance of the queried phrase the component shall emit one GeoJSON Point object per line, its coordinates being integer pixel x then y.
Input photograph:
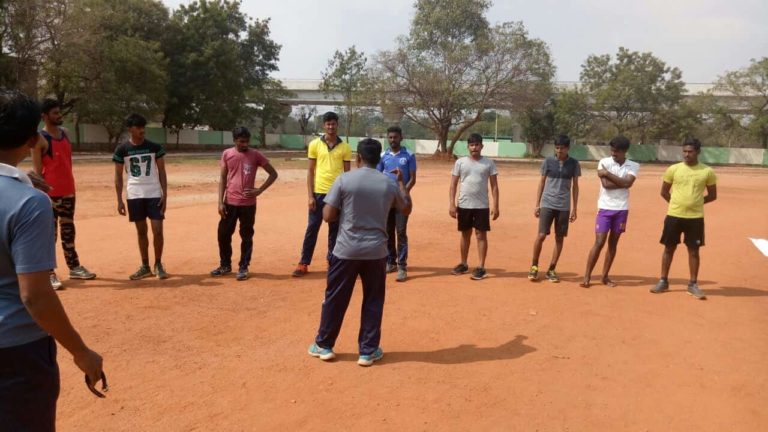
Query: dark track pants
{"type": "Point", "coordinates": [247, 217]}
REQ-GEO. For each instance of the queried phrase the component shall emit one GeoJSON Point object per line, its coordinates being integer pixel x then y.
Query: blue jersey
{"type": "Point", "coordinates": [404, 159]}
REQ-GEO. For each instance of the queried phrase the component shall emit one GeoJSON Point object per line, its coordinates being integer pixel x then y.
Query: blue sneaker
{"type": "Point", "coordinates": [367, 360]}
{"type": "Point", "coordinates": [324, 354]}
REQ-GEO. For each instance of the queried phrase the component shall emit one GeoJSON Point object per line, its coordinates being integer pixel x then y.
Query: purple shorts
{"type": "Point", "coordinates": [611, 220]}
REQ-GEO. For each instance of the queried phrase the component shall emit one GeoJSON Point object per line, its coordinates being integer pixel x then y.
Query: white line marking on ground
{"type": "Point", "coordinates": [761, 245]}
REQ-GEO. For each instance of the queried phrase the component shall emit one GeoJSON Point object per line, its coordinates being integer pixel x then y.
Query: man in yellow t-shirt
{"type": "Point", "coordinates": [687, 181]}
{"type": "Point", "coordinates": [328, 156]}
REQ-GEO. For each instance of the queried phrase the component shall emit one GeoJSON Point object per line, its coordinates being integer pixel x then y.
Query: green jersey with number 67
{"type": "Point", "coordinates": [141, 166]}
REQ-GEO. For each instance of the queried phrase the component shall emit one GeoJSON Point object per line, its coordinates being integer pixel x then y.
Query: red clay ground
{"type": "Point", "coordinates": [198, 353]}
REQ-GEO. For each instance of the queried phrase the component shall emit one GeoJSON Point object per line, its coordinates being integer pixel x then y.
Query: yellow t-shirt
{"type": "Point", "coordinates": [688, 184]}
{"type": "Point", "coordinates": [330, 163]}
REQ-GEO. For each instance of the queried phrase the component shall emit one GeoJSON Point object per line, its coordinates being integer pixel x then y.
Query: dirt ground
{"type": "Point", "coordinates": [198, 353]}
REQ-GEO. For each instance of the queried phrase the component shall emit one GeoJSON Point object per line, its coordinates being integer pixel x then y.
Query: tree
{"type": "Point", "coordinates": [632, 92]}
{"type": "Point", "coordinates": [453, 66]}
{"type": "Point", "coordinates": [303, 116]}
{"type": "Point", "coordinates": [346, 74]}
{"type": "Point", "coordinates": [217, 54]}
{"type": "Point", "coordinates": [268, 108]}
{"type": "Point", "coordinates": [750, 87]}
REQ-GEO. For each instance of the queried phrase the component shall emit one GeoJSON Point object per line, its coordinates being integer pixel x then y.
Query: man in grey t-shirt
{"type": "Point", "coordinates": [473, 211]}
{"type": "Point", "coordinates": [559, 178]}
{"type": "Point", "coordinates": [360, 200]}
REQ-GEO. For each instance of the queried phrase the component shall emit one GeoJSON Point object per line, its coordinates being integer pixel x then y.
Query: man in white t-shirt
{"type": "Point", "coordinates": [617, 174]}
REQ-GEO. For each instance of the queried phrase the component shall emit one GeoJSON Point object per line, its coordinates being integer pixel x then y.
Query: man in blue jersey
{"type": "Point", "coordinates": [399, 158]}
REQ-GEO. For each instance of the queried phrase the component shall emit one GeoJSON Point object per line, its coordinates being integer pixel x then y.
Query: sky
{"type": "Point", "coordinates": [703, 38]}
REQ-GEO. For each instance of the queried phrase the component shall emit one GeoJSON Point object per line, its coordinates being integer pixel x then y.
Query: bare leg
{"type": "Point", "coordinates": [537, 244]}
{"type": "Point", "coordinates": [594, 254]}
{"type": "Point", "coordinates": [482, 246]}
{"type": "Point", "coordinates": [693, 263]}
{"type": "Point", "coordinates": [141, 231]}
{"type": "Point", "coordinates": [613, 242]}
{"type": "Point", "coordinates": [466, 238]}
{"type": "Point", "coordinates": [558, 249]}
{"type": "Point", "coordinates": [157, 238]}
{"type": "Point", "coordinates": [666, 260]}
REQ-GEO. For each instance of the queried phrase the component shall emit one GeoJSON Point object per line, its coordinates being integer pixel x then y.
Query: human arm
{"type": "Point", "coordinates": [539, 192]}
{"type": "Point", "coordinates": [119, 187]}
{"type": "Point", "coordinates": [711, 193]}
{"type": "Point", "coordinates": [267, 183]}
{"type": "Point", "coordinates": [615, 182]}
{"type": "Point", "coordinates": [452, 196]}
{"type": "Point", "coordinates": [333, 200]}
{"type": "Point", "coordinates": [575, 191]}
{"type": "Point", "coordinates": [223, 175]}
{"type": "Point", "coordinates": [44, 306]}
{"type": "Point", "coordinates": [665, 191]}
{"type": "Point", "coordinates": [37, 155]}
{"type": "Point", "coordinates": [412, 182]}
{"type": "Point", "coordinates": [311, 183]}
{"type": "Point", "coordinates": [347, 165]}
{"type": "Point", "coordinates": [495, 194]}
{"type": "Point", "coordinates": [403, 198]}
{"type": "Point", "coordinates": [160, 162]}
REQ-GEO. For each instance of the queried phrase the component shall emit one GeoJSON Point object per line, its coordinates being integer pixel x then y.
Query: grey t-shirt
{"type": "Point", "coordinates": [473, 176]}
{"type": "Point", "coordinates": [557, 189]}
{"type": "Point", "coordinates": [364, 197]}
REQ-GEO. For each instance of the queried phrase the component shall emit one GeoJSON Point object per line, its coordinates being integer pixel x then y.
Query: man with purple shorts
{"type": "Point", "coordinates": [617, 174]}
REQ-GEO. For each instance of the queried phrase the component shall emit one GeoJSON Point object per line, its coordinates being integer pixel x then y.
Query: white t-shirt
{"type": "Point", "coordinates": [474, 175]}
{"type": "Point", "coordinates": [616, 199]}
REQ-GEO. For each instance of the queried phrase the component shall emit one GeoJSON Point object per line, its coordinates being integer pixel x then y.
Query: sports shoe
{"type": "Point", "coordinates": [460, 269]}
{"type": "Point", "coordinates": [391, 268]}
{"type": "Point", "coordinates": [533, 273]}
{"type": "Point", "coordinates": [81, 272]}
{"type": "Point", "coordinates": [661, 287]}
{"type": "Point", "coordinates": [324, 354]}
{"type": "Point", "coordinates": [693, 289]}
{"type": "Point", "coordinates": [402, 275]}
{"type": "Point", "coordinates": [478, 273]}
{"type": "Point", "coordinates": [368, 359]}
{"type": "Point", "coordinates": [221, 271]}
{"type": "Point", "coordinates": [141, 273]}
{"type": "Point", "coordinates": [242, 274]}
{"type": "Point", "coordinates": [300, 271]}
{"type": "Point", "coordinates": [55, 282]}
{"type": "Point", "coordinates": [160, 271]}
{"type": "Point", "coordinates": [552, 276]}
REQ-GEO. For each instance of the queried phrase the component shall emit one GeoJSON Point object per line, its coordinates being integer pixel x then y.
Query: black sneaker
{"type": "Point", "coordinates": [221, 271]}
{"type": "Point", "coordinates": [460, 269]}
{"type": "Point", "coordinates": [242, 274]}
{"type": "Point", "coordinates": [391, 268]}
{"type": "Point", "coordinates": [478, 273]}
{"type": "Point", "coordinates": [662, 286]}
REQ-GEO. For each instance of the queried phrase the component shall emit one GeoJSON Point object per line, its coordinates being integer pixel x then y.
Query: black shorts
{"type": "Point", "coordinates": [479, 219]}
{"type": "Point", "coordinates": [674, 226]}
{"type": "Point", "coordinates": [141, 208]}
{"type": "Point", "coordinates": [560, 217]}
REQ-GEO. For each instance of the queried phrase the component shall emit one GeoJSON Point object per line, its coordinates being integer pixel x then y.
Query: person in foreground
{"type": "Point", "coordinates": [683, 188]}
{"type": "Point", "coordinates": [360, 201]}
{"type": "Point", "coordinates": [32, 318]}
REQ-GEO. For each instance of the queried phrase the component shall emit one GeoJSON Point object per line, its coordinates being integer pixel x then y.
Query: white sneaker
{"type": "Point", "coordinates": [55, 282]}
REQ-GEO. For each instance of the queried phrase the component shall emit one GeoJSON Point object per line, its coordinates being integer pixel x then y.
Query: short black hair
{"type": "Point", "coordinates": [620, 142]}
{"type": "Point", "coordinates": [49, 104]}
{"type": "Point", "coordinates": [475, 138]}
{"type": "Point", "coordinates": [330, 115]}
{"type": "Point", "coordinates": [693, 142]}
{"type": "Point", "coordinates": [19, 117]}
{"type": "Point", "coordinates": [395, 129]}
{"type": "Point", "coordinates": [562, 140]}
{"type": "Point", "coordinates": [369, 150]}
{"type": "Point", "coordinates": [135, 120]}
{"type": "Point", "coordinates": [241, 132]}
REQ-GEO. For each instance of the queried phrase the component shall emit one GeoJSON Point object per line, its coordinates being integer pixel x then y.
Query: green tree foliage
{"type": "Point", "coordinates": [346, 73]}
{"type": "Point", "coordinates": [632, 91]}
{"type": "Point", "coordinates": [217, 54]}
{"type": "Point", "coordinates": [750, 111]}
{"type": "Point", "coordinates": [454, 66]}
{"type": "Point", "coordinates": [267, 108]}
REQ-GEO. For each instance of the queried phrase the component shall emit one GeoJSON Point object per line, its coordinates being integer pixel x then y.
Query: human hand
{"type": "Point", "coordinates": [573, 216]}
{"type": "Point", "coordinates": [162, 203]}
{"type": "Point", "coordinates": [91, 364]}
{"type": "Point", "coordinates": [398, 174]}
{"type": "Point", "coordinates": [452, 211]}
{"type": "Point", "coordinates": [312, 203]}
{"type": "Point", "coordinates": [494, 214]}
{"type": "Point", "coordinates": [602, 172]}
{"type": "Point", "coordinates": [121, 207]}
{"type": "Point", "coordinates": [222, 210]}
{"type": "Point", "coordinates": [537, 211]}
{"type": "Point", "coordinates": [38, 182]}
